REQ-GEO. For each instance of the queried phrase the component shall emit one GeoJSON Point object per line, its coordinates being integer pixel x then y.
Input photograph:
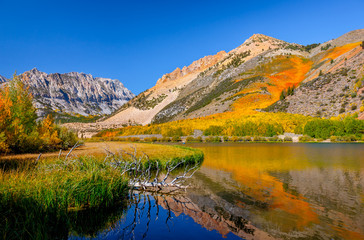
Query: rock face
{"type": "Point", "coordinates": [195, 67]}
{"type": "Point", "coordinates": [75, 93]}
{"type": "Point", "coordinates": [3, 79]}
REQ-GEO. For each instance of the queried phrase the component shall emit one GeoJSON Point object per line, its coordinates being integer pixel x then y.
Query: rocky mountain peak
{"type": "Point", "coordinates": [75, 93]}
{"type": "Point", "coordinates": [259, 37]}
{"type": "Point", "coordinates": [3, 79]}
{"type": "Point", "coordinates": [195, 67]}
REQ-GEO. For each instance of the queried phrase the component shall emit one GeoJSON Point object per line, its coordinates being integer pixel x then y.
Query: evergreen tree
{"type": "Point", "coordinates": [283, 95]}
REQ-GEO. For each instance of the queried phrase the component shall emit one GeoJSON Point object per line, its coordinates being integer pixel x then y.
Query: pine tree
{"type": "Point", "coordinates": [283, 95]}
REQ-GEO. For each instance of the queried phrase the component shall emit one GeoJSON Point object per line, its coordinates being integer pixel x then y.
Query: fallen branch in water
{"type": "Point", "coordinates": [140, 170]}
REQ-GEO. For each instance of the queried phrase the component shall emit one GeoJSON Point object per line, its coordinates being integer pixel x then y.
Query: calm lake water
{"type": "Point", "coordinates": [255, 191]}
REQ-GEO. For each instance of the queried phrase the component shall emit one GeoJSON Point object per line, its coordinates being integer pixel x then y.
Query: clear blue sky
{"type": "Point", "coordinates": [138, 41]}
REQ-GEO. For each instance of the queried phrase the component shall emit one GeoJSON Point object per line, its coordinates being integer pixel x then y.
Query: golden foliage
{"type": "Point", "coordinates": [19, 130]}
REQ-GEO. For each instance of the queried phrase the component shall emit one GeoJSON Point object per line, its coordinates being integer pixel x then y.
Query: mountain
{"type": "Point", "coordinates": [73, 94]}
{"type": "Point", "coordinates": [3, 79]}
{"type": "Point", "coordinates": [328, 81]}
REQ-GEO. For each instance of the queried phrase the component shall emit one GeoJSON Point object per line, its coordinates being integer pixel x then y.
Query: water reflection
{"type": "Point", "coordinates": [155, 216]}
{"type": "Point", "coordinates": [262, 191]}
{"type": "Point", "coordinates": [309, 191]}
{"type": "Point", "coordinates": [249, 191]}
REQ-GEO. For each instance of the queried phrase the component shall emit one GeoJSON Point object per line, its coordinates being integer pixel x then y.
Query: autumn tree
{"type": "Point", "coordinates": [19, 129]}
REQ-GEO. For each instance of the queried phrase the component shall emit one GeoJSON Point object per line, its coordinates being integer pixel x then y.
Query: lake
{"type": "Point", "coordinates": [255, 191]}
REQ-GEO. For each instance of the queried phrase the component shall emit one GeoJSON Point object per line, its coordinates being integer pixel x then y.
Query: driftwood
{"type": "Point", "coordinates": [73, 148]}
{"type": "Point", "coordinates": [144, 174]}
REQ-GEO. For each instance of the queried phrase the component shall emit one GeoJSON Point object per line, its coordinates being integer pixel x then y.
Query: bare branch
{"type": "Point", "coordinates": [75, 146]}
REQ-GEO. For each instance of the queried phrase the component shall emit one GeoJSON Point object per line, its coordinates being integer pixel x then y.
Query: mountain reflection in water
{"type": "Point", "coordinates": [258, 191]}
{"type": "Point", "coordinates": [249, 191]}
{"type": "Point", "coordinates": [154, 216]}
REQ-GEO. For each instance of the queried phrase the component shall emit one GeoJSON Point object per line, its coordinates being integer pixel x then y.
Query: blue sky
{"type": "Point", "coordinates": [138, 41]}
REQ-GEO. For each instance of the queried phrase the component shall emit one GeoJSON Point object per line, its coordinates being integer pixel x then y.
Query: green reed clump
{"type": "Point", "coordinates": [79, 183]}
{"type": "Point", "coordinates": [24, 218]}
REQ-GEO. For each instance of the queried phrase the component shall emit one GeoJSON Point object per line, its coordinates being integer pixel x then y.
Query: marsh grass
{"type": "Point", "coordinates": [40, 202]}
{"type": "Point", "coordinates": [24, 218]}
{"type": "Point", "coordinates": [50, 198]}
{"type": "Point", "coordinates": [84, 183]}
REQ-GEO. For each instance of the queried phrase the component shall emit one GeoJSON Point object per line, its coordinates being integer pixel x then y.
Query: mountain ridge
{"type": "Point", "coordinates": [252, 78]}
{"type": "Point", "coordinates": [74, 94]}
{"type": "Point", "coordinates": [177, 84]}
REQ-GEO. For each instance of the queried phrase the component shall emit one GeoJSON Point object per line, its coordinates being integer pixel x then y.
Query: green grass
{"type": "Point", "coordinates": [50, 199]}
{"type": "Point", "coordinates": [79, 183]}
{"type": "Point", "coordinates": [40, 202]}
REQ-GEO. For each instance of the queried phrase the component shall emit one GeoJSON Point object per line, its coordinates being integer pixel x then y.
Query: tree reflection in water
{"type": "Point", "coordinates": [154, 216]}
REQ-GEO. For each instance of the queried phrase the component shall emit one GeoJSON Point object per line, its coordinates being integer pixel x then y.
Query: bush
{"type": "Point", "coordinates": [176, 138]}
{"type": "Point", "coordinates": [352, 138]}
{"type": "Point", "coordinates": [213, 139]}
{"type": "Point", "coordinates": [171, 132]}
{"type": "Point", "coordinates": [190, 139]}
{"type": "Point", "coordinates": [213, 131]}
{"type": "Point", "coordinates": [305, 138]}
{"type": "Point", "coordinates": [287, 139]}
{"type": "Point", "coordinates": [150, 139]}
{"type": "Point", "coordinates": [235, 139]}
{"type": "Point", "coordinates": [257, 128]}
{"type": "Point", "coordinates": [133, 139]}
{"type": "Point", "coordinates": [333, 139]}
{"type": "Point", "coordinates": [273, 139]}
{"type": "Point", "coordinates": [226, 138]}
{"type": "Point", "coordinates": [259, 139]}
{"type": "Point", "coordinates": [165, 139]}
{"type": "Point", "coordinates": [247, 139]}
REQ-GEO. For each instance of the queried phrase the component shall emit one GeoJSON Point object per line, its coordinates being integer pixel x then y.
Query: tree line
{"type": "Point", "coordinates": [325, 128]}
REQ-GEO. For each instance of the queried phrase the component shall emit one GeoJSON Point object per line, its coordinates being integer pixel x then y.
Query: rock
{"type": "Point", "coordinates": [75, 93]}
{"type": "Point", "coordinates": [3, 79]}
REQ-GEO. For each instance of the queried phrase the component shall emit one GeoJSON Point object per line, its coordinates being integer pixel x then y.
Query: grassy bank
{"type": "Point", "coordinates": [34, 196]}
